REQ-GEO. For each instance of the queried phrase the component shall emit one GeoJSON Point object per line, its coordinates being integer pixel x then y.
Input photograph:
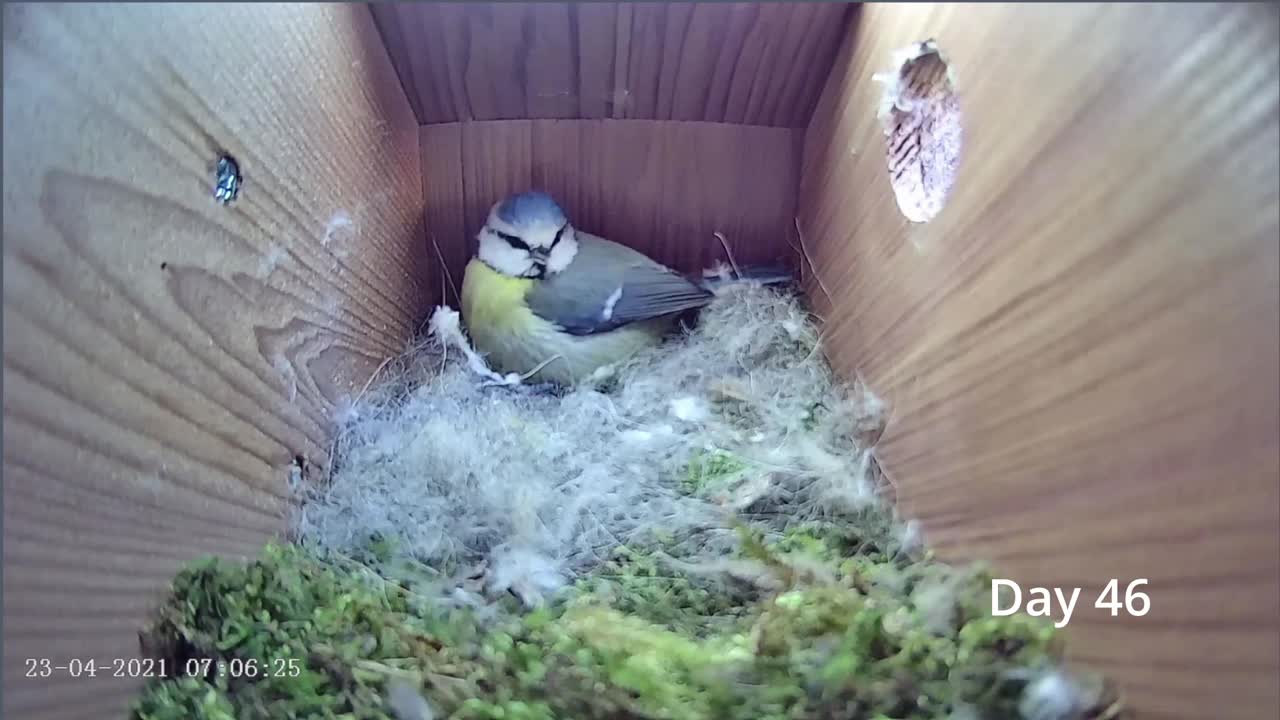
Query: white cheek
{"type": "Point", "coordinates": [562, 255]}
{"type": "Point", "coordinates": [504, 258]}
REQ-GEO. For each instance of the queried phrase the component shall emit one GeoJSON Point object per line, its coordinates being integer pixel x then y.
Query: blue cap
{"type": "Point", "coordinates": [532, 206]}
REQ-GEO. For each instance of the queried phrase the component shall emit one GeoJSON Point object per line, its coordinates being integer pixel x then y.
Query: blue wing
{"type": "Point", "coordinates": [609, 285]}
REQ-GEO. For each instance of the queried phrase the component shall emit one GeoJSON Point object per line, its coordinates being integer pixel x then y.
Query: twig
{"type": "Point", "coordinates": [369, 382]}
{"type": "Point", "coordinates": [812, 268]}
{"type": "Point", "coordinates": [445, 267]}
{"type": "Point", "coordinates": [507, 380]}
{"type": "Point", "coordinates": [333, 447]}
{"type": "Point", "coordinates": [732, 262]}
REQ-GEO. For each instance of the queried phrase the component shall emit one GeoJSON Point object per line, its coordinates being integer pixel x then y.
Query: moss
{"type": "Point", "coordinates": [711, 470]}
{"type": "Point", "coordinates": [320, 638]}
{"type": "Point", "coordinates": [640, 585]}
{"type": "Point", "coordinates": [866, 638]}
{"type": "Point", "coordinates": [185, 698]}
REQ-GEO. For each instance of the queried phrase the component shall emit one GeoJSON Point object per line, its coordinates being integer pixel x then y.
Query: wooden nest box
{"type": "Point", "coordinates": [1048, 239]}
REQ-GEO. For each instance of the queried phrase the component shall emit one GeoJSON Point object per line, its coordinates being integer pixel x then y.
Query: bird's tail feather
{"type": "Point", "coordinates": [722, 275]}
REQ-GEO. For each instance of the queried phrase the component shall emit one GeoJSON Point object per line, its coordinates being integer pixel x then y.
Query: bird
{"type": "Point", "coordinates": [555, 305]}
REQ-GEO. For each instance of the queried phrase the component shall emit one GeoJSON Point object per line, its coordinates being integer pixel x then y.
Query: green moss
{"type": "Point", "coordinates": [867, 535]}
{"type": "Point", "coordinates": [185, 698]}
{"type": "Point", "coordinates": [640, 585]}
{"type": "Point", "coordinates": [321, 638]}
{"type": "Point", "coordinates": [867, 636]}
{"type": "Point", "coordinates": [711, 470]}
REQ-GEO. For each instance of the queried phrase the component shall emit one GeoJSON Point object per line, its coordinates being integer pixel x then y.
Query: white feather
{"type": "Point", "coordinates": [610, 303]}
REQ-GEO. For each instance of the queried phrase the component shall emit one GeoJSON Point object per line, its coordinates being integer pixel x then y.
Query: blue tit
{"type": "Point", "coordinates": [553, 303]}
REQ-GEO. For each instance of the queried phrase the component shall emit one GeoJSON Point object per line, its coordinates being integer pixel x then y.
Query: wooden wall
{"type": "Point", "coordinates": [1082, 351]}
{"type": "Point", "coordinates": [656, 125]}
{"type": "Point", "coordinates": [748, 63]}
{"type": "Point", "coordinates": [662, 187]}
{"type": "Point", "coordinates": [165, 358]}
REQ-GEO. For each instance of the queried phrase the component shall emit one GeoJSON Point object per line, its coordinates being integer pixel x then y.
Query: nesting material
{"type": "Point", "coordinates": [462, 469]}
{"type": "Point", "coordinates": [694, 535]}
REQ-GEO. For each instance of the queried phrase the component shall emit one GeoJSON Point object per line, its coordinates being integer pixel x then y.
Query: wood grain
{"type": "Point", "coordinates": [444, 205]}
{"type": "Point", "coordinates": [165, 358]}
{"type": "Point", "coordinates": [1082, 349]}
{"type": "Point", "coordinates": [664, 188]}
{"type": "Point", "coordinates": [749, 63]}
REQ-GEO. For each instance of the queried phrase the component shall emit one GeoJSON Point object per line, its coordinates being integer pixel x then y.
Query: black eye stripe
{"type": "Point", "coordinates": [512, 240]}
{"type": "Point", "coordinates": [559, 234]}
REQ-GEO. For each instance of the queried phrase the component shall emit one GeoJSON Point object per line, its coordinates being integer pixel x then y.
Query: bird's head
{"type": "Point", "coordinates": [527, 235]}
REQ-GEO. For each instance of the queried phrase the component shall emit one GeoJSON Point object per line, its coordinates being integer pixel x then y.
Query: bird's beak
{"type": "Point", "coordinates": [539, 258]}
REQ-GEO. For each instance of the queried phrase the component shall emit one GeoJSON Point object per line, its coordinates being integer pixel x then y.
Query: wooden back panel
{"type": "Point", "coordinates": [1082, 350]}
{"type": "Point", "coordinates": [748, 63]}
{"type": "Point", "coordinates": [166, 358]}
{"type": "Point", "coordinates": [662, 187]}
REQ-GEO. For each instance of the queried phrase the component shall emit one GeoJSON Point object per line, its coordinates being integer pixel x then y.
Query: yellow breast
{"type": "Point", "coordinates": [514, 339]}
{"type": "Point", "coordinates": [493, 300]}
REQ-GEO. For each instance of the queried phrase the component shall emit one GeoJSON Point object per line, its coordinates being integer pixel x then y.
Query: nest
{"type": "Point", "coordinates": [696, 533]}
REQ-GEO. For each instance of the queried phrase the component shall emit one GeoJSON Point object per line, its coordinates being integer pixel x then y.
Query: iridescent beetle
{"type": "Point", "coordinates": [229, 181]}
